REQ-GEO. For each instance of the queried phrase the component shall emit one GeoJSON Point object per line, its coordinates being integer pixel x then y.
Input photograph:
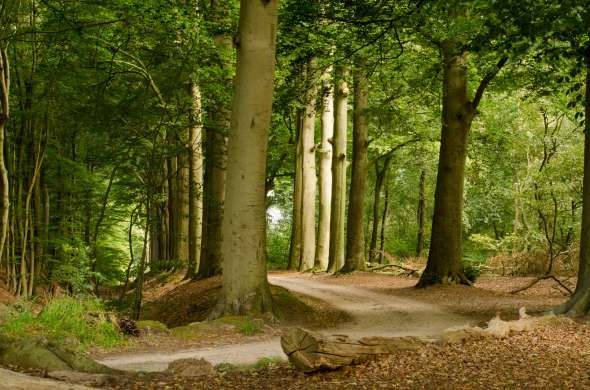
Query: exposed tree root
{"type": "Point", "coordinates": [544, 277]}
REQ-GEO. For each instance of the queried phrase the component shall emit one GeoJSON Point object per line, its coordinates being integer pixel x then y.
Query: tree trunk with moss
{"type": "Point", "coordinates": [245, 284]}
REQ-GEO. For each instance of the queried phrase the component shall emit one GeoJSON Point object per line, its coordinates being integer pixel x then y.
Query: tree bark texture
{"type": "Point", "coordinates": [355, 239]}
{"type": "Point", "coordinates": [322, 254]}
{"type": "Point", "coordinates": [245, 284]}
{"type": "Point", "coordinates": [421, 214]}
{"type": "Point", "coordinates": [338, 210]}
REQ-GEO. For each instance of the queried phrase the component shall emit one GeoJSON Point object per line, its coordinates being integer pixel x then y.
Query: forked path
{"type": "Point", "coordinates": [373, 314]}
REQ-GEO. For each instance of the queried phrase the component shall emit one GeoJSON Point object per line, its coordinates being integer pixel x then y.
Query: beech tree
{"type": "Point", "coordinates": [245, 285]}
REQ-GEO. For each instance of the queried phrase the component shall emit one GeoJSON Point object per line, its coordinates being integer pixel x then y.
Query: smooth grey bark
{"type": "Point", "coordinates": [245, 285]}
{"type": "Point", "coordinates": [338, 211]}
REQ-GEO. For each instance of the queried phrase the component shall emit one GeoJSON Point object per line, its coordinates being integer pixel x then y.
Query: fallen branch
{"type": "Point", "coordinates": [545, 277]}
{"type": "Point", "coordinates": [391, 259]}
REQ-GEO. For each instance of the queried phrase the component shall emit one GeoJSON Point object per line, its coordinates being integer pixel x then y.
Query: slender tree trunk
{"type": "Point", "coordinates": [309, 182]}
{"type": "Point", "coordinates": [245, 285]}
{"type": "Point", "coordinates": [579, 303]}
{"type": "Point", "coordinates": [296, 226]}
{"type": "Point", "coordinates": [421, 214]}
{"type": "Point", "coordinates": [171, 171]}
{"type": "Point", "coordinates": [196, 184]}
{"type": "Point", "coordinates": [183, 203]}
{"type": "Point", "coordinates": [4, 115]}
{"type": "Point", "coordinates": [141, 269]}
{"type": "Point", "coordinates": [322, 254]}
{"type": "Point", "coordinates": [380, 174]}
{"type": "Point", "coordinates": [213, 204]}
{"type": "Point", "coordinates": [355, 240]}
{"type": "Point", "coordinates": [338, 212]}
{"type": "Point", "coordinates": [444, 259]}
{"type": "Point", "coordinates": [211, 256]}
{"type": "Point", "coordinates": [383, 223]}
{"type": "Point", "coordinates": [131, 254]}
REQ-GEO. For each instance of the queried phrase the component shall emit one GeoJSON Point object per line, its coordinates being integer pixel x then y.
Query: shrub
{"type": "Point", "coordinates": [78, 323]}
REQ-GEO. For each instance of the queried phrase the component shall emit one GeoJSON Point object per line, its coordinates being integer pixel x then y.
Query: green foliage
{"type": "Point", "coordinates": [77, 323]}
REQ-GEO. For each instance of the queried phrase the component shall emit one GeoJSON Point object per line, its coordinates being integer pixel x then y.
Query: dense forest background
{"type": "Point", "coordinates": [115, 120]}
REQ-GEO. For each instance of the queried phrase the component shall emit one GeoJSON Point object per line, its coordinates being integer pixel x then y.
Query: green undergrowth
{"type": "Point", "coordinates": [76, 323]}
{"type": "Point", "coordinates": [260, 364]}
{"type": "Point", "coordinates": [245, 325]}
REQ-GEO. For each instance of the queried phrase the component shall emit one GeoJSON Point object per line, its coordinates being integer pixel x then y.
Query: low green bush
{"type": "Point", "coordinates": [77, 323]}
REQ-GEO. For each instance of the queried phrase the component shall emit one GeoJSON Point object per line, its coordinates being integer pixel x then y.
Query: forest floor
{"type": "Point", "coordinates": [556, 356]}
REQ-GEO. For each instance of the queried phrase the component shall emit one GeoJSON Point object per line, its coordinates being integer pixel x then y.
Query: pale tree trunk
{"type": "Point", "coordinates": [579, 303]}
{"type": "Point", "coordinates": [4, 115]}
{"type": "Point", "coordinates": [141, 269]}
{"type": "Point", "coordinates": [323, 245]}
{"type": "Point", "coordinates": [421, 214]}
{"type": "Point", "coordinates": [309, 182]}
{"type": "Point", "coordinates": [195, 184]}
{"type": "Point", "coordinates": [245, 285]}
{"type": "Point", "coordinates": [215, 152]}
{"type": "Point", "coordinates": [296, 228]}
{"type": "Point", "coordinates": [171, 171]}
{"type": "Point", "coordinates": [355, 239]}
{"type": "Point", "coordinates": [338, 212]}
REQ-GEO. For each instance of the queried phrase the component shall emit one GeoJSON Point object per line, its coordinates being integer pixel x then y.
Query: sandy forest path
{"type": "Point", "coordinates": [373, 314]}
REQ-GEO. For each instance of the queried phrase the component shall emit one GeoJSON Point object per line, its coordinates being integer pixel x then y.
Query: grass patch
{"type": "Point", "coordinates": [77, 323]}
{"type": "Point", "coordinates": [149, 325]}
{"type": "Point", "coordinates": [243, 324]}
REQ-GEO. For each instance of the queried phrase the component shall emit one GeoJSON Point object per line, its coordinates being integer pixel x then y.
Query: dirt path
{"type": "Point", "coordinates": [373, 313]}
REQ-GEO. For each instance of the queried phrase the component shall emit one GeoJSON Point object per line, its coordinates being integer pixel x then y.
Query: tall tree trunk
{"type": "Point", "coordinates": [380, 174]}
{"type": "Point", "coordinates": [309, 183]}
{"type": "Point", "coordinates": [579, 303]}
{"type": "Point", "coordinates": [296, 226]}
{"type": "Point", "coordinates": [322, 254]}
{"type": "Point", "coordinates": [245, 285]}
{"type": "Point", "coordinates": [384, 222]}
{"type": "Point", "coordinates": [338, 212]}
{"type": "Point", "coordinates": [421, 214]}
{"type": "Point", "coordinates": [196, 184]}
{"type": "Point", "coordinates": [444, 259]}
{"type": "Point", "coordinates": [4, 115]}
{"type": "Point", "coordinates": [355, 240]}
{"type": "Point", "coordinates": [211, 256]}
{"type": "Point", "coordinates": [141, 269]}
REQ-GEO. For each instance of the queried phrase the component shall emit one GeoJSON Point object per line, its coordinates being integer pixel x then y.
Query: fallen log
{"type": "Point", "coordinates": [309, 351]}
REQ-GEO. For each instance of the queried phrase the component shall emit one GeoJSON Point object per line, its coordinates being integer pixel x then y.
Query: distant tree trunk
{"type": "Point", "coordinates": [213, 204]}
{"type": "Point", "coordinates": [322, 254]}
{"type": "Point", "coordinates": [4, 116]}
{"type": "Point", "coordinates": [383, 223]}
{"type": "Point", "coordinates": [211, 256]}
{"type": "Point", "coordinates": [296, 225]}
{"type": "Point", "coordinates": [355, 240]}
{"type": "Point", "coordinates": [338, 212]}
{"type": "Point", "coordinates": [245, 285]}
{"type": "Point", "coordinates": [141, 269]}
{"type": "Point", "coordinates": [171, 172]}
{"type": "Point", "coordinates": [195, 184]}
{"type": "Point", "coordinates": [308, 195]}
{"type": "Point", "coordinates": [183, 202]}
{"type": "Point", "coordinates": [421, 214]}
{"type": "Point", "coordinates": [380, 174]}
{"type": "Point", "coordinates": [579, 303]}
